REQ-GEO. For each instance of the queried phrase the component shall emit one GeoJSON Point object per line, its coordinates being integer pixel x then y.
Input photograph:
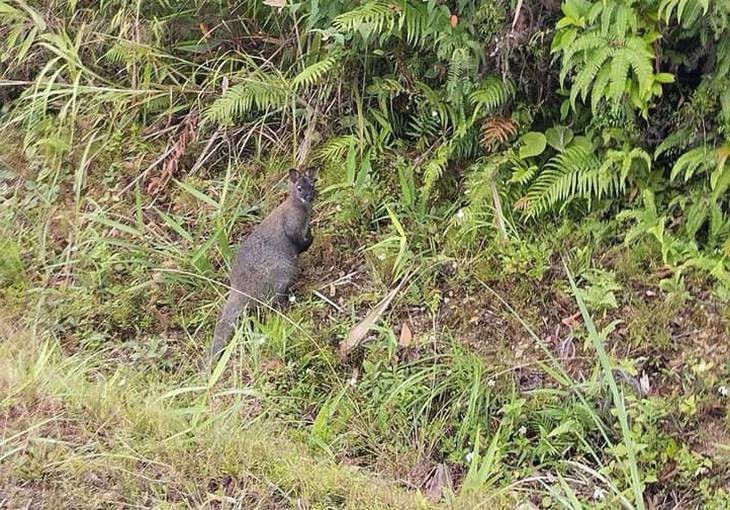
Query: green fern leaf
{"type": "Point", "coordinates": [585, 77]}
{"type": "Point", "coordinates": [624, 16]}
{"type": "Point", "coordinates": [335, 149]}
{"type": "Point", "coordinates": [579, 173]}
{"type": "Point", "coordinates": [313, 73]}
{"type": "Point", "coordinates": [415, 18]}
{"type": "Point", "coordinates": [675, 140]}
{"type": "Point", "coordinates": [378, 14]}
{"type": "Point", "coordinates": [492, 94]}
{"type": "Point", "coordinates": [619, 75]}
{"type": "Point", "coordinates": [263, 92]}
{"type": "Point", "coordinates": [600, 87]}
{"type": "Point", "coordinates": [606, 12]}
{"type": "Point", "coordinates": [692, 162]}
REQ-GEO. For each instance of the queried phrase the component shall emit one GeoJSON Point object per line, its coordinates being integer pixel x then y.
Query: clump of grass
{"type": "Point", "coordinates": [83, 431]}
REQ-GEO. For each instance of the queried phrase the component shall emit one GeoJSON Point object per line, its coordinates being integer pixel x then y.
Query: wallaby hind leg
{"type": "Point", "coordinates": [227, 322]}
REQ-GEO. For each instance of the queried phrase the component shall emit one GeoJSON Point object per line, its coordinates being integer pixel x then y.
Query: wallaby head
{"type": "Point", "coordinates": [301, 186]}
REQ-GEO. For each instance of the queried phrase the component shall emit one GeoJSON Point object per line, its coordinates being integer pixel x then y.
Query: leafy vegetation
{"type": "Point", "coordinates": [541, 188]}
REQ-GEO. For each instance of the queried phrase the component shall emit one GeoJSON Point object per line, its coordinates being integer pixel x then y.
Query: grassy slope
{"type": "Point", "coordinates": [119, 294]}
{"type": "Point", "coordinates": [90, 432]}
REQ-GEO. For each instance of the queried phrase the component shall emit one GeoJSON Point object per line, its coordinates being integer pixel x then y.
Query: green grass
{"type": "Point", "coordinates": [108, 393]}
{"type": "Point", "coordinates": [548, 365]}
{"type": "Point", "coordinates": [90, 432]}
{"type": "Point", "coordinates": [108, 399]}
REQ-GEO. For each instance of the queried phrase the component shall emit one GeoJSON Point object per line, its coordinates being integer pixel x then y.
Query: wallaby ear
{"type": "Point", "coordinates": [311, 173]}
{"type": "Point", "coordinates": [293, 175]}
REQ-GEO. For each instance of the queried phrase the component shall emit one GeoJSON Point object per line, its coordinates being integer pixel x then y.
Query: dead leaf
{"type": "Point", "coordinates": [275, 3]}
{"type": "Point", "coordinates": [454, 20]}
{"type": "Point", "coordinates": [405, 335]}
{"type": "Point", "coordinates": [571, 321]}
{"type": "Point", "coordinates": [272, 365]}
{"type": "Point", "coordinates": [362, 328]}
{"type": "Point", "coordinates": [187, 133]}
{"type": "Point", "coordinates": [435, 487]}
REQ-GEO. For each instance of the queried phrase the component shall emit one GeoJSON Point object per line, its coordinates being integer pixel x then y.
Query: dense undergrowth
{"type": "Point", "coordinates": [479, 156]}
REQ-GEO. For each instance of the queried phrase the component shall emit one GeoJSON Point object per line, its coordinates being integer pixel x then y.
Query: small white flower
{"type": "Point", "coordinates": [122, 382]}
{"type": "Point", "coordinates": [522, 430]}
{"type": "Point", "coordinates": [723, 391]}
{"type": "Point", "coordinates": [292, 298]}
{"type": "Point", "coordinates": [468, 457]}
{"type": "Point", "coordinates": [352, 381]}
{"type": "Point", "coordinates": [381, 256]}
{"type": "Point", "coordinates": [701, 470]}
{"type": "Point", "coordinates": [434, 113]}
{"type": "Point", "coordinates": [491, 383]}
{"type": "Point", "coordinates": [598, 494]}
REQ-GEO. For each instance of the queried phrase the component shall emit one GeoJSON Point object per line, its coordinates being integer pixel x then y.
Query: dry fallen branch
{"type": "Point", "coordinates": [357, 333]}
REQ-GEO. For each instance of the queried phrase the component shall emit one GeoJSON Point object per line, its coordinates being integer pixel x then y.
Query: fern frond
{"type": "Point", "coordinates": [606, 12]}
{"type": "Point", "coordinates": [574, 173]}
{"type": "Point", "coordinates": [670, 8]}
{"type": "Point", "coordinates": [461, 65]}
{"type": "Point", "coordinates": [584, 43]}
{"type": "Point", "coordinates": [699, 159]}
{"type": "Point", "coordinates": [434, 104]}
{"type": "Point", "coordinates": [497, 130]}
{"type": "Point", "coordinates": [424, 126]}
{"type": "Point", "coordinates": [263, 92]}
{"type": "Point", "coordinates": [492, 94]}
{"type": "Point", "coordinates": [600, 87]}
{"type": "Point", "coordinates": [587, 75]}
{"type": "Point", "coordinates": [640, 58]}
{"type": "Point", "coordinates": [522, 173]}
{"type": "Point", "coordinates": [335, 149]}
{"type": "Point", "coordinates": [434, 169]}
{"type": "Point", "coordinates": [379, 14]}
{"type": "Point", "coordinates": [416, 20]}
{"type": "Point", "coordinates": [678, 139]}
{"type": "Point", "coordinates": [619, 74]}
{"type": "Point", "coordinates": [483, 192]}
{"type": "Point", "coordinates": [625, 16]}
{"type": "Point", "coordinates": [119, 53]}
{"type": "Point", "coordinates": [313, 73]}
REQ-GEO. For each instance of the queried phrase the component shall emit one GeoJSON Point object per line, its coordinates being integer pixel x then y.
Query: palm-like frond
{"type": "Point", "coordinates": [260, 93]}
{"type": "Point", "coordinates": [313, 73]}
{"type": "Point", "coordinates": [492, 94]}
{"type": "Point", "coordinates": [609, 58]}
{"type": "Point", "coordinates": [380, 15]}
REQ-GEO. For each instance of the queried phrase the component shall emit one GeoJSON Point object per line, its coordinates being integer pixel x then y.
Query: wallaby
{"type": "Point", "coordinates": [266, 263]}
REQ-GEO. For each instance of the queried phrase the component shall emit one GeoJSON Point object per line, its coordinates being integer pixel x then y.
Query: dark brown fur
{"type": "Point", "coordinates": [266, 263]}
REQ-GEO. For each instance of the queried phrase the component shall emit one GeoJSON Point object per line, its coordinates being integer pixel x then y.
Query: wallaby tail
{"type": "Point", "coordinates": [227, 322]}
